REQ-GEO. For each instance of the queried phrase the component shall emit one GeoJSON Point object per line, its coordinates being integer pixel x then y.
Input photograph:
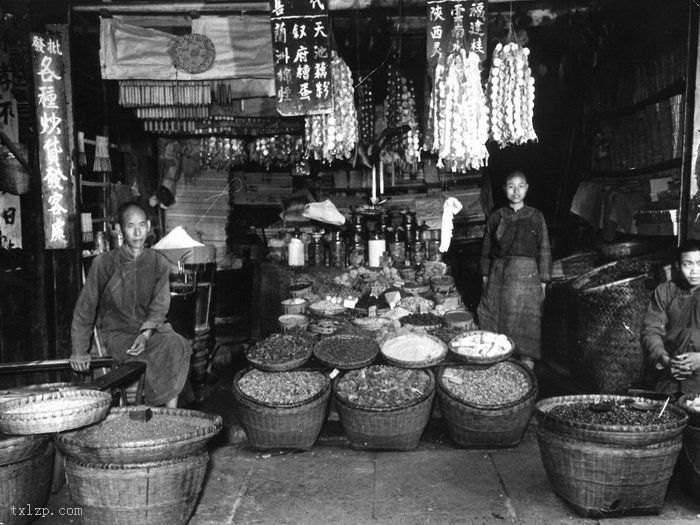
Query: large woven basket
{"type": "Point", "coordinates": [472, 425]}
{"type": "Point", "coordinates": [196, 428]}
{"type": "Point", "coordinates": [26, 484]}
{"type": "Point", "coordinates": [690, 461]}
{"type": "Point", "coordinates": [18, 448]}
{"type": "Point", "coordinates": [555, 322]}
{"type": "Point", "coordinates": [158, 492]}
{"type": "Point", "coordinates": [622, 435]}
{"type": "Point", "coordinates": [601, 480]}
{"type": "Point", "coordinates": [605, 319]}
{"type": "Point", "coordinates": [54, 411]}
{"type": "Point", "coordinates": [294, 426]}
{"type": "Point", "coordinates": [385, 429]}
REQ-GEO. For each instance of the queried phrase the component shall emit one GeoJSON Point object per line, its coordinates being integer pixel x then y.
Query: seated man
{"type": "Point", "coordinates": [671, 327]}
{"type": "Point", "coordinates": [127, 296]}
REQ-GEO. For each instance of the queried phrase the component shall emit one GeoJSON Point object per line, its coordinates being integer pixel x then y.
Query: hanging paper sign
{"type": "Point", "coordinates": [301, 49]}
{"type": "Point", "coordinates": [449, 19]}
{"type": "Point", "coordinates": [57, 184]}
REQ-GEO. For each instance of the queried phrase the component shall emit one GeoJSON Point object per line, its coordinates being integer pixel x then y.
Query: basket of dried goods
{"type": "Point", "coordinates": [413, 350]}
{"type": "Point", "coordinates": [53, 411]}
{"type": "Point", "coordinates": [372, 324]}
{"type": "Point", "coordinates": [326, 326]}
{"type": "Point", "coordinates": [479, 347]}
{"type": "Point", "coordinates": [25, 484]}
{"type": "Point", "coordinates": [283, 409]}
{"type": "Point", "coordinates": [414, 288]}
{"type": "Point", "coordinates": [300, 289]}
{"type": "Point", "coordinates": [384, 407]}
{"type": "Point", "coordinates": [292, 322]}
{"type": "Point", "coordinates": [18, 448]}
{"type": "Point", "coordinates": [610, 455]}
{"type": "Point", "coordinates": [486, 406]}
{"type": "Point", "coordinates": [415, 304]}
{"type": "Point", "coordinates": [281, 352]}
{"type": "Point", "coordinates": [140, 434]}
{"type": "Point", "coordinates": [346, 351]}
{"type": "Point", "coordinates": [442, 283]}
{"type": "Point", "coordinates": [326, 308]}
{"type": "Point", "coordinates": [155, 492]}
{"type": "Point", "coordinates": [295, 305]}
{"type": "Point", "coordinates": [459, 319]}
{"type": "Point", "coordinates": [426, 321]}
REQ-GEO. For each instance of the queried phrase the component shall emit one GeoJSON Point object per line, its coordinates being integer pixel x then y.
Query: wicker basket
{"type": "Point", "coordinates": [690, 461]}
{"type": "Point", "coordinates": [53, 412]}
{"type": "Point", "coordinates": [623, 435]}
{"type": "Point", "coordinates": [411, 341]}
{"type": "Point", "coordinates": [197, 429]}
{"type": "Point", "coordinates": [605, 319]}
{"type": "Point", "coordinates": [601, 480]}
{"type": "Point", "coordinates": [13, 177]}
{"type": "Point", "coordinates": [324, 351]}
{"type": "Point", "coordinates": [26, 483]}
{"type": "Point", "coordinates": [278, 366]}
{"type": "Point", "coordinates": [18, 448]}
{"type": "Point", "coordinates": [157, 493]}
{"type": "Point", "coordinates": [294, 426]}
{"type": "Point", "coordinates": [479, 359]}
{"type": "Point", "coordinates": [385, 429]}
{"type": "Point", "coordinates": [621, 250]}
{"type": "Point", "coordinates": [472, 425]}
{"type": "Point", "coordinates": [555, 321]}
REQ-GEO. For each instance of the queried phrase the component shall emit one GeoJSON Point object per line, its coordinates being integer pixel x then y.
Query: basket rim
{"type": "Point", "coordinates": [383, 410]}
{"type": "Point", "coordinates": [99, 401]}
{"type": "Point", "coordinates": [530, 394]}
{"type": "Point", "coordinates": [415, 364]}
{"type": "Point", "coordinates": [324, 341]}
{"type": "Point", "coordinates": [245, 397]}
{"type": "Point", "coordinates": [283, 366]}
{"type": "Point", "coordinates": [212, 429]}
{"type": "Point", "coordinates": [543, 406]}
{"type": "Point", "coordinates": [474, 360]}
{"type": "Point", "coordinates": [198, 455]}
{"type": "Point", "coordinates": [578, 287]}
{"type": "Point", "coordinates": [330, 312]}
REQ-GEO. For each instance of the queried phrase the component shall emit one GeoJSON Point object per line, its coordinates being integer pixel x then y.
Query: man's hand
{"type": "Point", "coordinates": [80, 362]}
{"type": "Point", "coordinates": [684, 366]}
{"type": "Point", "coordinates": [139, 344]}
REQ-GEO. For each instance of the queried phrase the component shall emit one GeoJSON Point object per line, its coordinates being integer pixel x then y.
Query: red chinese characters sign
{"type": "Point", "coordinates": [301, 51]}
{"type": "Point", "coordinates": [450, 19]}
{"type": "Point", "coordinates": [57, 183]}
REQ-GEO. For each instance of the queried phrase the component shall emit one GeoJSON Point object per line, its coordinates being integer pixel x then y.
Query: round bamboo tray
{"type": "Point", "coordinates": [26, 484]}
{"type": "Point", "coordinates": [157, 492]}
{"type": "Point", "coordinates": [196, 429]}
{"type": "Point", "coordinates": [328, 349]}
{"type": "Point", "coordinates": [609, 434]}
{"type": "Point", "coordinates": [283, 365]}
{"type": "Point", "coordinates": [473, 425]}
{"type": "Point", "coordinates": [294, 426]}
{"type": "Point", "coordinates": [475, 359]}
{"type": "Point", "coordinates": [53, 412]}
{"type": "Point", "coordinates": [409, 341]}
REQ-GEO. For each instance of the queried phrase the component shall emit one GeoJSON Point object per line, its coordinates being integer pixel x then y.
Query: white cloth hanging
{"type": "Point", "coordinates": [450, 208]}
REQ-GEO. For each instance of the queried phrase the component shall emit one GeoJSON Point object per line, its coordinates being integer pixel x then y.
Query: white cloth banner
{"type": "Point", "coordinates": [243, 51]}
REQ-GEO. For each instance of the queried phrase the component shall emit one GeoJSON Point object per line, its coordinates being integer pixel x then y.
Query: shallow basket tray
{"type": "Point", "coordinates": [476, 359]}
{"type": "Point", "coordinates": [609, 434]}
{"type": "Point", "coordinates": [53, 412]}
{"type": "Point", "coordinates": [321, 351]}
{"type": "Point", "coordinates": [326, 312]}
{"type": "Point", "coordinates": [439, 343]}
{"type": "Point", "coordinates": [284, 366]}
{"type": "Point", "coordinates": [78, 444]}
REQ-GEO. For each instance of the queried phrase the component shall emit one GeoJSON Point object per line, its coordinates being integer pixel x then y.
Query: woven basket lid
{"type": "Point", "coordinates": [194, 53]}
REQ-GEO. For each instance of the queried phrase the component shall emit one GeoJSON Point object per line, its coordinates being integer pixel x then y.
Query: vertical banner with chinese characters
{"type": "Point", "coordinates": [57, 184]}
{"type": "Point", "coordinates": [443, 15]}
{"type": "Point", "coordinates": [301, 48]}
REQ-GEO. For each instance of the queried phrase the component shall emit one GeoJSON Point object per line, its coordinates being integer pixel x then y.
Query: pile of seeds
{"type": "Point", "coordinates": [493, 386]}
{"type": "Point", "coordinates": [281, 388]}
{"type": "Point", "coordinates": [281, 348]}
{"type": "Point", "coordinates": [346, 350]}
{"type": "Point", "coordinates": [421, 319]}
{"type": "Point", "coordinates": [382, 386]}
{"type": "Point", "coordinates": [122, 429]}
{"type": "Point", "coordinates": [619, 414]}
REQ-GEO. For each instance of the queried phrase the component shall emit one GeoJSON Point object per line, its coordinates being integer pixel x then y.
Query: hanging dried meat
{"type": "Point", "coordinates": [400, 109]}
{"type": "Point", "coordinates": [458, 117]}
{"type": "Point", "coordinates": [334, 135]}
{"type": "Point", "coordinates": [222, 153]}
{"type": "Point", "coordinates": [512, 95]}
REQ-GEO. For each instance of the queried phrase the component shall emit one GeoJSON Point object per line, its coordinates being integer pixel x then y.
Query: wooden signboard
{"type": "Point", "coordinates": [449, 20]}
{"type": "Point", "coordinates": [301, 49]}
{"type": "Point", "coordinates": [57, 180]}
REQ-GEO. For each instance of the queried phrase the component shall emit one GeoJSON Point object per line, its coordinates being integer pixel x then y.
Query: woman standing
{"type": "Point", "coordinates": [516, 264]}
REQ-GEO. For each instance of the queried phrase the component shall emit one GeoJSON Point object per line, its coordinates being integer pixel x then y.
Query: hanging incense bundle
{"type": "Point", "coordinates": [82, 158]}
{"type": "Point", "coordinates": [102, 163]}
{"type": "Point", "coordinates": [86, 227]}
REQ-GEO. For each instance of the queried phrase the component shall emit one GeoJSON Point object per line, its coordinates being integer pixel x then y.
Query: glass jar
{"type": "Point", "coordinates": [356, 246]}
{"type": "Point", "coordinates": [336, 250]}
{"type": "Point", "coordinates": [315, 250]}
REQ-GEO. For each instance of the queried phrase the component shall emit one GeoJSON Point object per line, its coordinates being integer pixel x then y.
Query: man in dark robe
{"type": "Point", "coordinates": [670, 334]}
{"type": "Point", "coordinates": [127, 297]}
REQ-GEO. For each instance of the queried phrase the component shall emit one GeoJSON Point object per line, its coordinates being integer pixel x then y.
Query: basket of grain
{"type": "Point", "coordinates": [282, 410]}
{"type": "Point", "coordinates": [138, 434]}
{"type": "Point", "coordinates": [383, 407]}
{"type": "Point", "coordinates": [295, 305]}
{"type": "Point", "coordinates": [326, 308]}
{"type": "Point", "coordinates": [292, 322]}
{"type": "Point", "coordinates": [609, 455]}
{"type": "Point", "coordinates": [281, 352]}
{"type": "Point", "coordinates": [479, 347]}
{"type": "Point", "coordinates": [53, 411]}
{"type": "Point", "coordinates": [486, 406]}
{"type": "Point", "coordinates": [346, 351]}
